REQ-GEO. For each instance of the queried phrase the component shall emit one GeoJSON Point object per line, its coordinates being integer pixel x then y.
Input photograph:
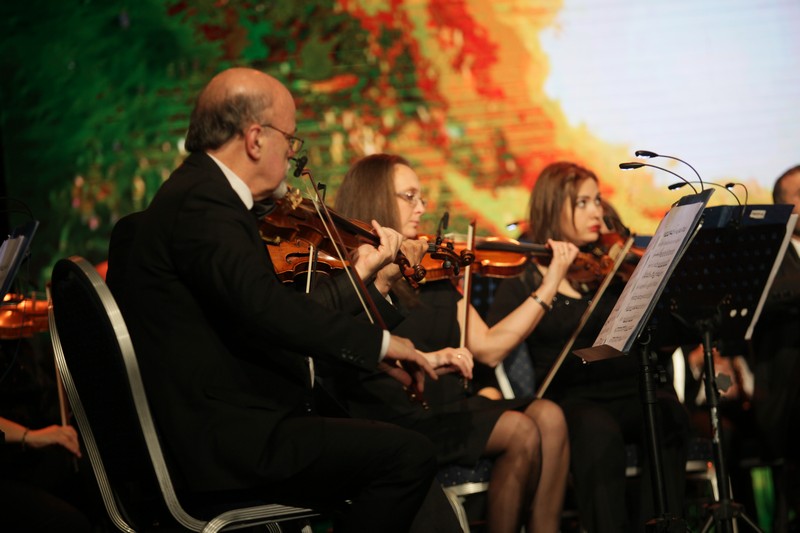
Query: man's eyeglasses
{"type": "Point", "coordinates": [412, 198]}
{"type": "Point", "coordinates": [295, 143]}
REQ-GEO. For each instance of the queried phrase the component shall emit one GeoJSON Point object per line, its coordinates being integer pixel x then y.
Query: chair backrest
{"type": "Point", "coordinates": [89, 337]}
{"type": "Point", "coordinates": [97, 363]}
{"type": "Point", "coordinates": [515, 374]}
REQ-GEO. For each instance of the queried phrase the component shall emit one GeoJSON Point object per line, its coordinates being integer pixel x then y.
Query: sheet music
{"type": "Point", "coordinates": [13, 251]}
{"type": "Point", "coordinates": [9, 252]}
{"type": "Point", "coordinates": [649, 278]}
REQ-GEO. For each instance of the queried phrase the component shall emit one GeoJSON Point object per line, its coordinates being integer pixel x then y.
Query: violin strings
{"type": "Point", "coordinates": [316, 203]}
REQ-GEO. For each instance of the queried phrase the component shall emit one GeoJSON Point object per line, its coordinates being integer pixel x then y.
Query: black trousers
{"type": "Point", "coordinates": [385, 472]}
{"type": "Point", "coordinates": [30, 509]}
{"type": "Point", "coordinates": [598, 433]}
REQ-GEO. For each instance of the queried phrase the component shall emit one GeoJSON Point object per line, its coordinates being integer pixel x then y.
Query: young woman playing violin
{"type": "Point", "coordinates": [526, 440]}
{"type": "Point", "coordinates": [600, 400]}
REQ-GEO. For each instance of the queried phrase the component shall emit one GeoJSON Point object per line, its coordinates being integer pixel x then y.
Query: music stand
{"type": "Point", "coordinates": [13, 252]}
{"type": "Point", "coordinates": [716, 292]}
{"type": "Point", "coordinates": [627, 325]}
{"type": "Point", "coordinates": [717, 295]}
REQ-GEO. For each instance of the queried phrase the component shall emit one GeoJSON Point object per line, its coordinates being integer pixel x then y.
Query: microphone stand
{"type": "Point", "coordinates": [727, 187]}
{"type": "Point", "coordinates": [724, 511]}
{"type": "Point", "coordinates": [651, 374]}
{"type": "Point", "coordinates": [706, 301]}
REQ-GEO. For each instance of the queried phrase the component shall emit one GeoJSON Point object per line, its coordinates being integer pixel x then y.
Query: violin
{"type": "Point", "coordinates": [503, 257]}
{"type": "Point", "coordinates": [445, 258]}
{"type": "Point", "coordinates": [22, 317]}
{"type": "Point", "coordinates": [611, 244]}
{"type": "Point", "coordinates": [300, 220]}
{"type": "Point", "coordinates": [295, 224]}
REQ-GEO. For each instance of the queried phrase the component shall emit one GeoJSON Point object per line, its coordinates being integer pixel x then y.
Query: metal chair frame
{"type": "Point", "coordinates": [234, 518]}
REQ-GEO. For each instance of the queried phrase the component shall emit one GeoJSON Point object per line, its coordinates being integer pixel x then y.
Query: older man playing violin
{"type": "Point", "coordinates": [220, 339]}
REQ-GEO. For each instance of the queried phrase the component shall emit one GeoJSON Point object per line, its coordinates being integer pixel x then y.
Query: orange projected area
{"type": "Point", "coordinates": [480, 95]}
{"type": "Point", "coordinates": [489, 127]}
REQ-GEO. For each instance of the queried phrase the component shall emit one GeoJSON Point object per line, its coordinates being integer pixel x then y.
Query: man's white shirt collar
{"type": "Point", "coordinates": [239, 186]}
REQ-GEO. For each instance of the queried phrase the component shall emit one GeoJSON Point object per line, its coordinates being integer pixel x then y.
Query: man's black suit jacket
{"type": "Point", "coordinates": [776, 364]}
{"type": "Point", "coordinates": [218, 337]}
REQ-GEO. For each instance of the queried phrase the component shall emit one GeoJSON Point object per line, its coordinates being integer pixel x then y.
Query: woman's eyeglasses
{"type": "Point", "coordinates": [412, 197]}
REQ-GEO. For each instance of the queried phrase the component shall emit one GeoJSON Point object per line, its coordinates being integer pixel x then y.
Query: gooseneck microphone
{"type": "Point", "coordinates": [731, 185]}
{"type": "Point", "coordinates": [635, 164]}
{"type": "Point", "coordinates": [443, 223]}
{"type": "Point", "coordinates": [648, 154]}
{"type": "Point", "coordinates": [682, 183]}
{"type": "Point", "coordinates": [300, 163]}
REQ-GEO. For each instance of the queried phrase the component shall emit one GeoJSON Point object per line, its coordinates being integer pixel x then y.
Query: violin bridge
{"type": "Point", "coordinates": [295, 197]}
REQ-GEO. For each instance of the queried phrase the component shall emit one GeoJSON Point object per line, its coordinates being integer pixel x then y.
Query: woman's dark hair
{"type": "Point", "coordinates": [557, 183]}
{"type": "Point", "coordinates": [367, 191]}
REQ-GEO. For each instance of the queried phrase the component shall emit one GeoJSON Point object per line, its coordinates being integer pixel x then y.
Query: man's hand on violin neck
{"type": "Point", "coordinates": [414, 249]}
{"type": "Point", "coordinates": [370, 259]}
{"type": "Point", "coordinates": [391, 241]}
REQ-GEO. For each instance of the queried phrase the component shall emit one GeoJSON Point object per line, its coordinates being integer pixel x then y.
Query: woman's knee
{"type": "Point", "coordinates": [523, 436]}
{"type": "Point", "coordinates": [548, 417]}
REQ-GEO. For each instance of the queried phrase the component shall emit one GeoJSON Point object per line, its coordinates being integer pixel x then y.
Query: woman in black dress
{"type": "Point", "coordinates": [600, 400]}
{"type": "Point", "coordinates": [527, 440]}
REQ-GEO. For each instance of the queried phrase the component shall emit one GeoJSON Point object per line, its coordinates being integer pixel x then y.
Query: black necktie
{"type": "Point", "coordinates": [262, 209]}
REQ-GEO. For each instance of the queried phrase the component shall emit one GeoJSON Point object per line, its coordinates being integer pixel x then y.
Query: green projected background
{"type": "Point", "coordinates": [95, 98]}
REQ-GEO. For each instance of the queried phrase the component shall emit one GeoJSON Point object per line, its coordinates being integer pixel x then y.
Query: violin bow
{"type": "Point", "coordinates": [338, 245]}
{"type": "Point", "coordinates": [565, 351]}
{"type": "Point", "coordinates": [358, 284]}
{"type": "Point", "coordinates": [467, 293]}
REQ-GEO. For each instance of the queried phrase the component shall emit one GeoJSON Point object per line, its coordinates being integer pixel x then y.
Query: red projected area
{"type": "Point", "coordinates": [480, 96]}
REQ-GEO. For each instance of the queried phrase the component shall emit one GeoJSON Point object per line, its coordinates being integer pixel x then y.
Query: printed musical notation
{"type": "Point", "coordinates": [650, 277]}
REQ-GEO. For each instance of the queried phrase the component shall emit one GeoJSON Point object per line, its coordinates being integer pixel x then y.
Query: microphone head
{"type": "Point", "coordinates": [631, 165]}
{"type": "Point", "coordinates": [300, 163]}
{"type": "Point", "coordinates": [445, 219]}
{"type": "Point", "coordinates": [676, 185]}
{"type": "Point", "coordinates": [645, 153]}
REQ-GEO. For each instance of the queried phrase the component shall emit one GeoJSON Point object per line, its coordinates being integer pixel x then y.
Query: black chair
{"type": "Point", "coordinates": [98, 366]}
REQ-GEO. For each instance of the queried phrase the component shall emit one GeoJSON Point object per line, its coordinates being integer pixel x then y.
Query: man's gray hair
{"type": "Point", "coordinates": [213, 124]}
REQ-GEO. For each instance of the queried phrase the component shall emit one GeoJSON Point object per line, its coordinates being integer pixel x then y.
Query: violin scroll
{"type": "Point", "coordinates": [443, 260]}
